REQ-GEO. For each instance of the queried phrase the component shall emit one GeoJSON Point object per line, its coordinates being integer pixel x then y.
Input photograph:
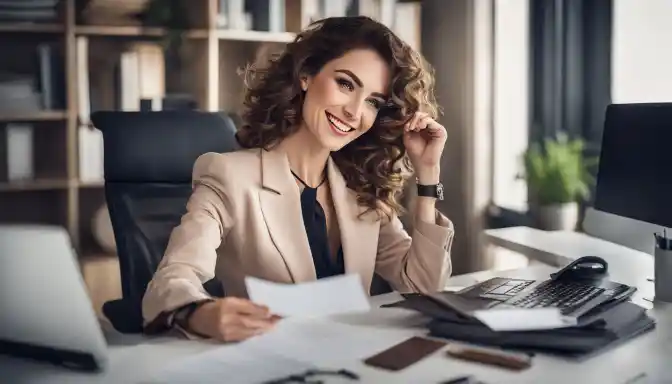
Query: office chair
{"type": "Point", "coordinates": [148, 162]}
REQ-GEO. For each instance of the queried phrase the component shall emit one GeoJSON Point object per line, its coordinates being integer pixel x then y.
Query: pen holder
{"type": "Point", "coordinates": [663, 274]}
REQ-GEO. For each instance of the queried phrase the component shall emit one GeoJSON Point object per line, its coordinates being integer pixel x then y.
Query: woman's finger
{"type": "Point", "coordinates": [254, 323]}
{"type": "Point", "coordinates": [414, 121]}
{"type": "Point", "coordinates": [248, 307]}
{"type": "Point", "coordinates": [241, 333]}
{"type": "Point", "coordinates": [424, 122]}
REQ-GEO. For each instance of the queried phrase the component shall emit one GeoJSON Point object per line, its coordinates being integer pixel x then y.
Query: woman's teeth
{"type": "Point", "coordinates": [338, 124]}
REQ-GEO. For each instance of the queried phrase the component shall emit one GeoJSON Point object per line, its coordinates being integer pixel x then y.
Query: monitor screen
{"type": "Point", "coordinates": [634, 178]}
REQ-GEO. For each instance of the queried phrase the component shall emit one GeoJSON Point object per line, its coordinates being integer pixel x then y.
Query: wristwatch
{"type": "Point", "coordinates": [183, 314]}
{"type": "Point", "coordinates": [435, 190]}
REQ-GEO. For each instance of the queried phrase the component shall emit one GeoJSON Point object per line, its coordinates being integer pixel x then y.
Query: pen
{"type": "Point", "coordinates": [662, 241]}
{"type": "Point", "coordinates": [665, 242]}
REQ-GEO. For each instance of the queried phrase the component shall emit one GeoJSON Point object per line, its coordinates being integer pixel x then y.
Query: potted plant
{"type": "Point", "coordinates": [557, 174]}
{"type": "Point", "coordinates": [173, 16]}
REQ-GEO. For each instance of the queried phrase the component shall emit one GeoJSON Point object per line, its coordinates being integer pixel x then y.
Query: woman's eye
{"type": "Point", "coordinates": [345, 84]}
{"type": "Point", "coordinates": [375, 103]}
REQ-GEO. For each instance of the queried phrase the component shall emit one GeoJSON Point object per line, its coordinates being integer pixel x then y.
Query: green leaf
{"type": "Point", "coordinates": [557, 171]}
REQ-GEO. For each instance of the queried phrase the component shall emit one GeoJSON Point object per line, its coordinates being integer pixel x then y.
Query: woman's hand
{"type": "Point", "coordinates": [231, 319]}
{"type": "Point", "coordinates": [425, 139]}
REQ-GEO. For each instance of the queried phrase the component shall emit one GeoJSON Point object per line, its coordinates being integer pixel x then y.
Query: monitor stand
{"type": "Point", "coordinates": [621, 230]}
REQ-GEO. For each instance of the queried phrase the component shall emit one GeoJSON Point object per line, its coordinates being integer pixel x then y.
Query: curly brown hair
{"type": "Point", "coordinates": [375, 164]}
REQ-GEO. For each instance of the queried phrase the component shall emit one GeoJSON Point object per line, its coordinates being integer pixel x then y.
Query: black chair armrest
{"type": "Point", "coordinates": [125, 316]}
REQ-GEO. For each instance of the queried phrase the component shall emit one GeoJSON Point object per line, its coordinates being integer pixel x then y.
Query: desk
{"type": "Point", "coordinates": [559, 248]}
{"type": "Point", "coordinates": [135, 359]}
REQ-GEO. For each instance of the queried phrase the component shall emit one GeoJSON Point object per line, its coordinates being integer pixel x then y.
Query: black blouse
{"type": "Point", "coordinates": [315, 222]}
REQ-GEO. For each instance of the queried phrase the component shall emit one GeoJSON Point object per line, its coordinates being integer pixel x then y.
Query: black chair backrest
{"type": "Point", "coordinates": [148, 163]}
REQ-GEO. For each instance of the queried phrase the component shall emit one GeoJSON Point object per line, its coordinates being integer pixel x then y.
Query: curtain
{"type": "Point", "coordinates": [570, 68]}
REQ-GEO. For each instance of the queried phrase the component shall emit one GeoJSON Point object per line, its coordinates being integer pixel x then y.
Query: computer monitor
{"type": "Point", "coordinates": [635, 170]}
{"type": "Point", "coordinates": [632, 179]}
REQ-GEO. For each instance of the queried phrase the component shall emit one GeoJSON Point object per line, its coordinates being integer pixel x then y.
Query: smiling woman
{"type": "Point", "coordinates": [341, 79]}
{"type": "Point", "coordinates": [333, 126]}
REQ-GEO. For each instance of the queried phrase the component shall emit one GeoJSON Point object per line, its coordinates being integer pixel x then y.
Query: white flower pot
{"type": "Point", "coordinates": [558, 217]}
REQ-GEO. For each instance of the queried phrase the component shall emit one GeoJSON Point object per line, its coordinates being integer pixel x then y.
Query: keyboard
{"type": "Point", "coordinates": [566, 296]}
{"type": "Point", "coordinates": [572, 297]}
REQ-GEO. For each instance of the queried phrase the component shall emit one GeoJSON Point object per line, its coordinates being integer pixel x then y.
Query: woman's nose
{"type": "Point", "coordinates": [353, 111]}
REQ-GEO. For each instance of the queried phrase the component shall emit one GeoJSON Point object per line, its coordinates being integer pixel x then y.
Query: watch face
{"type": "Point", "coordinates": [439, 191]}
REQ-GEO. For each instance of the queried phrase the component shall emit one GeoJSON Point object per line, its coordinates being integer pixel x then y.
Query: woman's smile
{"type": "Point", "coordinates": [337, 125]}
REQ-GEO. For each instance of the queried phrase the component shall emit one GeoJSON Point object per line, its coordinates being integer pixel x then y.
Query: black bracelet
{"type": "Point", "coordinates": [183, 314]}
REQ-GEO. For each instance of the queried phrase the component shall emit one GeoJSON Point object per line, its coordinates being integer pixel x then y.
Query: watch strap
{"type": "Point", "coordinates": [183, 313]}
{"type": "Point", "coordinates": [435, 190]}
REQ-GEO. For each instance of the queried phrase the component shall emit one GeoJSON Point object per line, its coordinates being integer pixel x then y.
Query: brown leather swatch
{"type": "Point", "coordinates": [511, 361]}
{"type": "Point", "coordinates": [404, 354]}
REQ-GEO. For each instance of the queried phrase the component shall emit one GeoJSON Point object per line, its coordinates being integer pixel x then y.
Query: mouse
{"type": "Point", "coordinates": [585, 267]}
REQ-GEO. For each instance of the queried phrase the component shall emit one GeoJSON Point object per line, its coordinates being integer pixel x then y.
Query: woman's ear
{"type": "Point", "coordinates": [305, 81]}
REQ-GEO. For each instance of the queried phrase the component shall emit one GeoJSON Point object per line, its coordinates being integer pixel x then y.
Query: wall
{"type": "Point", "coordinates": [457, 40]}
{"type": "Point", "coordinates": [642, 51]}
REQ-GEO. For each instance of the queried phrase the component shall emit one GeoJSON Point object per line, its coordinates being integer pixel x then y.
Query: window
{"type": "Point", "coordinates": [642, 57]}
{"type": "Point", "coordinates": [511, 102]}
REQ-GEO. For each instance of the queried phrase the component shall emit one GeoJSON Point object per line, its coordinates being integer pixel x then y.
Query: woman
{"type": "Point", "coordinates": [329, 127]}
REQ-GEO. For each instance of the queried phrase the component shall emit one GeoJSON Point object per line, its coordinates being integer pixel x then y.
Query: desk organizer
{"type": "Point", "coordinates": [663, 274]}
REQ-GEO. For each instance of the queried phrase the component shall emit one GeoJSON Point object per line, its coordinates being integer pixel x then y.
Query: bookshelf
{"type": "Point", "coordinates": [55, 194]}
{"type": "Point", "coordinates": [210, 56]}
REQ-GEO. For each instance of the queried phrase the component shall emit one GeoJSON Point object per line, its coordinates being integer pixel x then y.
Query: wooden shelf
{"type": "Point", "coordinates": [34, 116]}
{"type": "Point", "coordinates": [258, 36]}
{"type": "Point", "coordinates": [34, 185]}
{"type": "Point", "coordinates": [32, 28]}
{"type": "Point", "coordinates": [222, 34]}
{"type": "Point", "coordinates": [89, 184]}
{"type": "Point", "coordinates": [131, 31]}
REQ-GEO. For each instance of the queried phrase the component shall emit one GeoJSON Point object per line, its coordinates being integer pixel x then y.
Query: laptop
{"type": "Point", "coordinates": [45, 311]}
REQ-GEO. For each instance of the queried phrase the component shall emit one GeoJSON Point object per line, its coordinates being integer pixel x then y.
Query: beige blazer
{"type": "Point", "coordinates": [244, 219]}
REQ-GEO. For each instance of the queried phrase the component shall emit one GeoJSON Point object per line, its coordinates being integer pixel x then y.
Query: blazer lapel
{"type": "Point", "coordinates": [281, 207]}
{"type": "Point", "coordinates": [359, 235]}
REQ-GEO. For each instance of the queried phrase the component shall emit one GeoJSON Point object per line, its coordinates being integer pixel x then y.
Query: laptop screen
{"type": "Point", "coordinates": [634, 177]}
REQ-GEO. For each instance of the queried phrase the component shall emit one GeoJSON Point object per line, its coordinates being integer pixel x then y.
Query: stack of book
{"type": "Point", "coordinates": [28, 11]}
{"type": "Point", "coordinates": [42, 90]}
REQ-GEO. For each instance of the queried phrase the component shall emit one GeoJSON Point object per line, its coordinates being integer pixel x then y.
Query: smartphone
{"type": "Point", "coordinates": [404, 354]}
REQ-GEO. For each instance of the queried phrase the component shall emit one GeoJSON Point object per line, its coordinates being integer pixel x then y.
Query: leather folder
{"type": "Point", "coordinates": [594, 333]}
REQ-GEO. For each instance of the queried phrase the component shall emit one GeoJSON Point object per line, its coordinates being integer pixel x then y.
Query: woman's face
{"type": "Point", "coordinates": [342, 100]}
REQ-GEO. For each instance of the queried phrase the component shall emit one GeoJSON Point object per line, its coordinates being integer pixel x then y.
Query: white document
{"type": "Point", "coordinates": [324, 297]}
{"type": "Point", "coordinates": [325, 342]}
{"type": "Point", "coordinates": [232, 364]}
{"type": "Point", "coordinates": [519, 319]}
{"type": "Point", "coordinates": [291, 348]}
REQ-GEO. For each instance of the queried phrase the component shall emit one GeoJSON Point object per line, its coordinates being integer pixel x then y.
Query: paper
{"type": "Point", "coordinates": [319, 341]}
{"type": "Point", "coordinates": [323, 297]}
{"type": "Point", "coordinates": [291, 348]}
{"type": "Point", "coordinates": [520, 319]}
{"type": "Point", "coordinates": [234, 364]}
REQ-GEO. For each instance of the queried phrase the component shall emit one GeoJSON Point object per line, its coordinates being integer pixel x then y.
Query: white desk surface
{"type": "Point", "coordinates": [135, 359]}
{"type": "Point", "coordinates": [559, 248]}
